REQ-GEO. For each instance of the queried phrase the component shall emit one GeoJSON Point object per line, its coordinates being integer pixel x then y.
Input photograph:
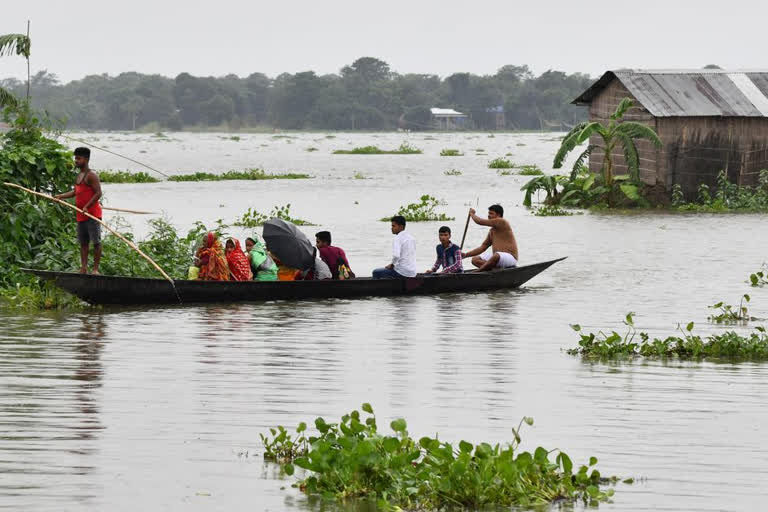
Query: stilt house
{"type": "Point", "coordinates": [708, 121]}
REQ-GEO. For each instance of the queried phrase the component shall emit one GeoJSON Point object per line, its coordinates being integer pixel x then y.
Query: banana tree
{"type": "Point", "coordinates": [10, 44]}
{"type": "Point", "coordinates": [615, 133]}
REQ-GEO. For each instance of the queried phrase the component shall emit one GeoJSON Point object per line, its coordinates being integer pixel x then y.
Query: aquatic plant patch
{"type": "Point", "coordinates": [727, 197]}
{"type": "Point", "coordinates": [729, 314]}
{"type": "Point", "coordinates": [451, 152]}
{"type": "Point", "coordinates": [351, 459]}
{"type": "Point", "coordinates": [39, 296]}
{"type": "Point", "coordinates": [452, 172]}
{"type": "Point", "coordinates": [728, 345]}
{"type": "Point", "coordinates": [404, 149]}
{"type": "Point", "coordinates": [530, 170]}
{"type": "Point", "coordinates": [422, 211]}
{"type": "Point", "coordinates": [500, 163]}
{"type": "Point", "coordinates": [252, 218]}
{"type": "Point", "coordinates": [248, 174]}
{"type": "Point", "coordinates": [759, 278]}
{"type": "Point", "coordinates": [110, 176]}
{"type": "Point", "coordinates": [549, 210]}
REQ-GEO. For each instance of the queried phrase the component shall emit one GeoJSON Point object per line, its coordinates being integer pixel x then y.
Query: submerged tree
{"type": "Point", "coordinates": [615, 133]}
{"type": "Point", "coordinates": [10, 44]}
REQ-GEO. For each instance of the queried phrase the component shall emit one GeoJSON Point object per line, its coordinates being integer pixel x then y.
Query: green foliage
{"type": "Point", "coordinates": [452, 172]}
{"type": "Point", "coordinates": [404, 149]}
{"type": "Point", "coordinates": [352, 459]}
{"type": "Point", "coordinates": [728, 345]}
{"type": "Point", "coordinates": [728, 314]}
{"type": "Point", "coordinates": [500, 163]}
{"type": "Point", "coordinates": [39, 296]}
{"type": "Point", "coordinates": [548, 210]}
{"type": "Point", "coordinates": [504, 172]}
{"type": "Point", "coordinates": [729, 197]}
{"type": "Point", "coordinates": [759, 278]}
{"type": "Point", "coordinates": [252, 218]}
{"type": "Point", "coordinates": [360, 176]}
{"type": "Point", "coordinates": [311, 149]}
{"type": "Point", "coordinates": [249, 174]}
{"type": "Point", "coordinates": [126, 177]}
{"type": "Point", "coordinates": [451, 152]}
{"type": "Point", "coordinates": [530, 170]}
{"type": "Point", "coordinates": [422, 211]}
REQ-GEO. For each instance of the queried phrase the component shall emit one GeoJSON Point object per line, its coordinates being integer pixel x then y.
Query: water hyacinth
{"type": "Point", "coordinates": [351, 459]}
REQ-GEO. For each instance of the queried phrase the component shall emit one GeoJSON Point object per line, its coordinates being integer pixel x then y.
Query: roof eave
{"type": "Point", "coordinates": [587, 96]}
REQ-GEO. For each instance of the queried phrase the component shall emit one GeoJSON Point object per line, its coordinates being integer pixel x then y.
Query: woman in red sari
{"type": "Point", "coordinates": [239, 266]}
{"type": "Point", "coordinates": [210, 258]}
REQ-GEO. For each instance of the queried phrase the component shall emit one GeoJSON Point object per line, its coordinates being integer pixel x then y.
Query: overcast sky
{"type": "Point", "coordinates": [81, 37]}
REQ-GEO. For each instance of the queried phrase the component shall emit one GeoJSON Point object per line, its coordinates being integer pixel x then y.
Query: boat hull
{"type": "Point", "coordinates": [115, 290]}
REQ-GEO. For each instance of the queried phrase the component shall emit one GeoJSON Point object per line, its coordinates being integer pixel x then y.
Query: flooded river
{"type": "Point", "coordinates": [161, 408]}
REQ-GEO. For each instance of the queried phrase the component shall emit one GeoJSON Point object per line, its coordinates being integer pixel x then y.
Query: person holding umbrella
{"type": "Point", "coordinates": [294, 250]}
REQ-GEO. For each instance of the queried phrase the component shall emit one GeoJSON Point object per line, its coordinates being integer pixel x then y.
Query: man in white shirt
{"type": "Point", "coordinates": [403, 253]}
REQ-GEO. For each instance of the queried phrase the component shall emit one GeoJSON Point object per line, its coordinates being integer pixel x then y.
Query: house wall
{"type": "Point", "coordinates": [695, 149]}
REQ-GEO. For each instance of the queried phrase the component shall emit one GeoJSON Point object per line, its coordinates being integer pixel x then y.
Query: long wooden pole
{"type": "Point", "coordinates": [464, 236]}
{"type": "Point", "coordinates": [127, 211]}
{"type": "Point", "coordinates": [118, 235]}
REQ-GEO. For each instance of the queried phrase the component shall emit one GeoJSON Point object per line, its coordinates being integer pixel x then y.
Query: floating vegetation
{"type": "Point", "coordinates": [504, 172]}
{"type": "Point", "coordinates": [251, 218]}
{"type": "Point", "coordinates": [330, 136]}
{"type": "Point", "coordinates": [451, 152]}
{"type": "Point", "coordinates": [549, 210]}
{"type": "Point", "coordinates": [126, 177]}
{"type": "Point", "coordinates": [352, 459]}
{"type": "Point", "coordinates": [491, 136]}
{"type": "Point", "coordinates": [235, 138]}
{"type": "Point", "coordinates": [727, 197]}
{"type": "Point", "coordinates": [530, 170]}
{"type": "Point", "coordinates": [311, 149]}
{"type": "Point", "coordinates": [500, 163]}
{"type": "Point", "coordinates": [729, 314]}
{"type": "Point", "coordinates": [728, 345]}
{"type": "Point", "coordinates": [159, 135]}
{"type": "Point", "coordinates": [249, 174]}
{"type": "Point", "coordinates": [404, 149]}
{"type": "Point", "coordinates": [39, 296]}
{"type": "Point", "coordinates": [283, 137]}
{"type": "Point", "coordinates": [520, 144]}
{"type": "Point", "coordinates": [759, 278]}
{"type": "Point", "coordinates": [453, 172]}
{"type": "Point", "coordinates": [360, 176]}
{"type": "Point", "coordinates": [422, 211]}
{"type": "Point", "coordinates": [479, 150]}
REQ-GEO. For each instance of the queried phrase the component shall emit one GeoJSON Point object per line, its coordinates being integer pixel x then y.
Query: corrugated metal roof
{"type": "Point", "coordinates": [690, 93]}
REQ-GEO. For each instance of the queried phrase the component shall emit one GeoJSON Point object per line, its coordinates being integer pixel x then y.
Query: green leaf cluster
{"type": "Point", "coordinates": [110, 176]}
{"type": "Point", "coordinates": [451, 152]}
{"type": "Point", "coordinates": [252, 218]}
{"type": "Point", "coordinates": [248, 174]}
{"type": "Point", "coordinates": [728, 197]}
{"type": "Point", "coordinates": [352, 459]}
{"type": "Point", "coordinates": [403, 149]}
{"type": "Point", "coordinates": [422, 211]}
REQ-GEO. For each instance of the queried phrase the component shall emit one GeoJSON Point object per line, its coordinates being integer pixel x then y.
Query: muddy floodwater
{"type": "Point", "coordinates": [161, 408]}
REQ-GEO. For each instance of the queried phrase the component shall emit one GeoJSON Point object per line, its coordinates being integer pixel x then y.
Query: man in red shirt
{"type": "Point", "coordinates": [334, 257]}
{"type": "Point", "coordinates": [87, 193]}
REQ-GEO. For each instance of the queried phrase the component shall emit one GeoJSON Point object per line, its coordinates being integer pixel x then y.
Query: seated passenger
{"type": "Point", "coordinates": [334, 257]}
{"type": "Point", "coordinates": [262, 266]}
{"type": "Point", "coordinates": [284, 272]}
{"type": "Point", "coordinates": [318, 272]}
{"type": "Point", "coordinates": [500, 243]}
{"type": "Point", "coordinates": [448, 254]}
{"type": "Point", "coordinates": [211, 260]}
{"type": "Point", "coordinates": [403, 253]}
{"type": "Point", "coordinates": [238, 263]}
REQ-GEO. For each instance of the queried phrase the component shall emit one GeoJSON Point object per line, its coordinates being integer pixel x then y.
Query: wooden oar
{"type": "Point", "coordinates": [118, 235]}
{"type": "Point", "coordinates": [466, 227]}
{"type": "Point", "coordinates": [128, 211]}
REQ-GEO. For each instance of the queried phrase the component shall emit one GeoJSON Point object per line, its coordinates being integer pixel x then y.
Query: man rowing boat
{"type": "Point", "coordinates": [87, 193]}
{"type": "Point", "coordinates": [499, 249]}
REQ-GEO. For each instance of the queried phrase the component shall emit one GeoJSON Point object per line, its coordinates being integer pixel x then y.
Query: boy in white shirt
{"type": "Point", "coordinates": [403, 253]}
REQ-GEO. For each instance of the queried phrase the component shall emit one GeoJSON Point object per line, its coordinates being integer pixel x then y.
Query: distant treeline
{"type": "Point", "coordinates": [366, 95]}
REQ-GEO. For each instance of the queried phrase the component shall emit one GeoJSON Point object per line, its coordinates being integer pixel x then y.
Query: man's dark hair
{"type": "Point", "coordinates": [324, 236]}
{"type": "Point", "coordinates": [83, 152]}
{"type": "Point", "coordinates": [444, 229]}
{"type": "Point", "coordinates": [249, 239]}
{"type": "Point", "coordinates": [399, 220]}
{"type": "Point", "coordinates": [496, 208]}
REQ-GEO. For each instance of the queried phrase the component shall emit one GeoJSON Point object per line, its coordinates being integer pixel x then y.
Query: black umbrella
{"type": "Point", "coordinates": [291, 246]}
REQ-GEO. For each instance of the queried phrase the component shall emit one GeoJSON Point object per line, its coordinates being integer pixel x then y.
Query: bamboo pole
{"type": "Point", "coordinates": [121, 237]}
{"type": "Point", "coordinates": [128, 211]}
{"type": "Point", "coordinates": [113, 153]}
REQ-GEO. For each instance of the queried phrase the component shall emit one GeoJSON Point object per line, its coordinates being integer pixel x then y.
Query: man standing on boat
{"type": "Point", "coordinates": [87, 193]}
{"type": "Point", "coordinates": [499, 249]}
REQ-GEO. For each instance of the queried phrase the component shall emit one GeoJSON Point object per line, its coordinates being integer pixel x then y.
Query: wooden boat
{"type": "Point", "coordinates": [101, 289]}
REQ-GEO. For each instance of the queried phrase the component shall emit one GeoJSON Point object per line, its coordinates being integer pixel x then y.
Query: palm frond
{"type": "Point", "coordinates": [622, 108]}
{"type": "Point", "coordinates": [631, 157]}
{"type": "Point", "coordinates": [15, 43]}
{"type": "Point", "coordinates": [7, 99]}
{"type": "Point", "coordinates": [580, 160]}
{"type": "Point", "coordinates": [638, 131]}
{"type": "Point", "coordinates": [576, 137]}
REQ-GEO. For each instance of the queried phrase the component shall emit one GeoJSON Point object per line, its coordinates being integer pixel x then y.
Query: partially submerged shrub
{"type": "Point", "coordinates": [252, 218]}
{"type": "Point", "coordinates": [404, 149]}
{"type": "Point", "coordinates": [352, 459]}
{"type": "Point", "coordinates": [451, 152]}
{"type": "Point", "coordinates": [126, 177]}
{"type": "Point", "coordinates": [500, 163]}
{"type": "Point", "coordinates": [422, 211]}
{"type": "Point", "coordinates": [728, 345]}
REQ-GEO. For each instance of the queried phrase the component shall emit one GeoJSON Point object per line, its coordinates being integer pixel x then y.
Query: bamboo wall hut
{"type": "Point", "coordinates": [708, 121]}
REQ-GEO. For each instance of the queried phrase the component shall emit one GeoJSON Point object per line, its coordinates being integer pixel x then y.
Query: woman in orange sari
{"type": "Point", "coordinates": [210, 258]}
{"type": "Point", "coordinates": [239, 266]}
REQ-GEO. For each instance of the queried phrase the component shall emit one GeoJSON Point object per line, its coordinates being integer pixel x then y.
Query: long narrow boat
{"type": "Point", "coordinates": [101, 289]}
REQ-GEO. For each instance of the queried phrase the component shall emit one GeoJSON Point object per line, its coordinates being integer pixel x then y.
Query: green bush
{"type": "Point", "coordinates": [404, 149]}
{"type": "Point", "coordinates": [352, 459]}
{"type": "Point", "coordinates": [251, 218]}
{"type": "Point", "coordinates": [500, 163]}
{"type": "Point", "coordinates": [109, 176]}
{"type": "Point", "coordinates": [422, 211]}
{"type": "Point", "coordinates": [451, 152]}
{"type": "Point", "coordinates": [249, 174]}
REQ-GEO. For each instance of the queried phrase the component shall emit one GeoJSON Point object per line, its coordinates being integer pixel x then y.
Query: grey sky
{"type": "Point", "coordinates": [81, 37]}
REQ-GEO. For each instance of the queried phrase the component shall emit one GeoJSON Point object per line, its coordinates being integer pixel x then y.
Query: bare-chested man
{"type": "Point", "coordinates": [501, 240]}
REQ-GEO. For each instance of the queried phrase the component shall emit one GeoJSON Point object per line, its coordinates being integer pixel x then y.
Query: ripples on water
{"type": "Point", "coordinates": [160, 409]}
